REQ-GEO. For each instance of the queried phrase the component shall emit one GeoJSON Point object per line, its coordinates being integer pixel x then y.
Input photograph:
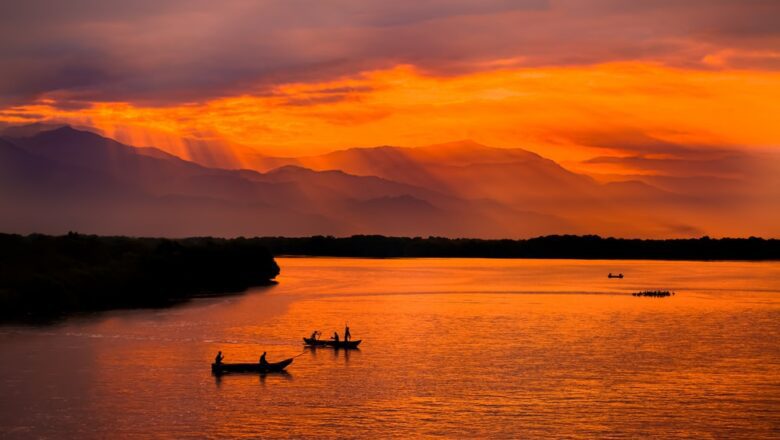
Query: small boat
{"type": "Point", "coordinates": [329, 343]}
{"type": "Point", "coordinates": [620, 275]}
{"type": "Point", "coordinates": [654, 293]}
{"type": "Point", "coordinates": [255, 367]}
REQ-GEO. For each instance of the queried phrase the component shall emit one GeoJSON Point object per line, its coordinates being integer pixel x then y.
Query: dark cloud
{"type": "Point", "coordinates": [687, 168]}
{"type": "Point", "coordinates": [736, 165]}
{"type": "Point", "coordinates": [325, 96]}
{"type": "Point", "coordinates": [315, 100]}
{"type": "Point", "coordinates": [637, 143]}
{"type": "Point", "coordinates": [11, 114]}
{"type": "Point", "coordinates": [156, 51]}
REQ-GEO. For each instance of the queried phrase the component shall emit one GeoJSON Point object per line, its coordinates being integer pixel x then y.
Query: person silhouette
{"type": "Point", "coordinates": [347, 335]}
{"type": "Point", "coordinates": [262, 360]}
{"type": "Point", "coordinates": [335, 337]}
{"type": "Point", "coordinates": [218, 359]}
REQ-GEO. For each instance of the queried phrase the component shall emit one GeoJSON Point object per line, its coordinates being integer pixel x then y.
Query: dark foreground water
{"type": "Point", "coordinates": [455, 348]}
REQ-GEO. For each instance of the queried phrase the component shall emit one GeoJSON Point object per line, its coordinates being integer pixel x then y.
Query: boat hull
{"type": "Point", "coordinates": [250, 367]}
{"type": "Point", "coordinates": [326, 343]}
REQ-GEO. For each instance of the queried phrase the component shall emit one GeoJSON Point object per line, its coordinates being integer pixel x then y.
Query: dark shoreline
{"type": "Point", "coordinates": [43, 278]}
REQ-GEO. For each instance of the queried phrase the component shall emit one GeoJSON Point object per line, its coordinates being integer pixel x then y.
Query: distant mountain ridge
{"type": "Point", "coordinates": [514, 178]}
{"type": "Point", "coordinates": [58, 178]}
{"type": "Point", "coordinates": [145, 191]}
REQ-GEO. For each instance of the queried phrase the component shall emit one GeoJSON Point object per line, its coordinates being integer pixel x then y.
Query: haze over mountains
{"type": "Point", "coordinates": [54, 179]}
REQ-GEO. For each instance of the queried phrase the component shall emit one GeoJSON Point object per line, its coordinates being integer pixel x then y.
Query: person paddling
{"type": "Point", "coordinates": [218, 359]}
{"type": "Point", "coordinates": [335, 337]}
{"type": "Point", "coordinates": [262, 360]}
{"type": "Point", "coordinates": [315, 334]}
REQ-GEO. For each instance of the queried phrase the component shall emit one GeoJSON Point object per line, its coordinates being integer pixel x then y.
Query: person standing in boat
{"type": "Point", "coordinates": [218, 359]}
{"type": "Point", "coordinates": [262, 360]}
{"type": "Point", "coordinates": [347, 335]}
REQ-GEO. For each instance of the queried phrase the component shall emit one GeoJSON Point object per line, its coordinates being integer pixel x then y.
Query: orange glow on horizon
{"type": "Point", "coordinates": [563, 113]}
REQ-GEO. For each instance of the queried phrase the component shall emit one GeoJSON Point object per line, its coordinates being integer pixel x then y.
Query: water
{"type": "Point", "coordinates": [455, 348]}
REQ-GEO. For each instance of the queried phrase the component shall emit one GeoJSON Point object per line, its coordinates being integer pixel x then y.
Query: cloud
{"type": "Point", "coordinates": [738, 164]}
{"type": "Point", "coordinates": [176, 51]}
{"type": "Point", "coordinates": [721, 174]}
{"type": "Point", "coordinates": [318, 96]}
{"type": "Point", "coordinates": [637, 150]}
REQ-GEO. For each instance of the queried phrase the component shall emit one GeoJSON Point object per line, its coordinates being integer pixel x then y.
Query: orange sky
{"type": "Point", "coordinates": [679, 101]}
{"type": "Point", "coordinates": [561, 113]}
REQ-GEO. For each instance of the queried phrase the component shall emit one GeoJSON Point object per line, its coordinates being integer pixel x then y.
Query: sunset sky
{"type": "Point", "coordinates": [605, 87]}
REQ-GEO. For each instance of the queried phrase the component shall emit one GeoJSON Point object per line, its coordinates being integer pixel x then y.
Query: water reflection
{"type": "Point", "coordinates": [281, 375]}
{"type": "Point", "coordinates": [335, 352]}
{"type": "Point", "coordinates": [347, 352]}
{"type": "Point", "coordinates": [511, 349]}
{"type": "Point", "coordinates": [240, 378]}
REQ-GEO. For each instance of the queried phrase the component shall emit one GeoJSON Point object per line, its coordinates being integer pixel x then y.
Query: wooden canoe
{"type": "Point", "coordinates": [255, 367]}
{"type": "Point", "coordinates": [330, 343]}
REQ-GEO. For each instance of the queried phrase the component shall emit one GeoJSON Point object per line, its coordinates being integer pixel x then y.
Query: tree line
{"type": "Point", "coordinates": [552, 246]}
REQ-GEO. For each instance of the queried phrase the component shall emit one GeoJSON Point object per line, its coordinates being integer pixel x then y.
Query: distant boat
{"type": "Point", "coordinates": [330, 343]}
{"type": "Point", "coordinates": [654, 293]}
{"type": "Point", "coordinates": [620, 275]}
{"type": "Point", "coordinates": [255, 367]}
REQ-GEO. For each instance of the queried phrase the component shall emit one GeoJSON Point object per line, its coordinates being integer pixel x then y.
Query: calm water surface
{"type": "Point", "coordinates": [455, 348]}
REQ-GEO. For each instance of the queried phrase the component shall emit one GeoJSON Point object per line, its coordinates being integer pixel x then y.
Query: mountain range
{"type": "Point", "coordinates": [55, 179]}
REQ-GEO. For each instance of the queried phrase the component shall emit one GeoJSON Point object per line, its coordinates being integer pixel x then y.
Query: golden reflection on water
{"type": "Point", "coordinates": [499, 348]}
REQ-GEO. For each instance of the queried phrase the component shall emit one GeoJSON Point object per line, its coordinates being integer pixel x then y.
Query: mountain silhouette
{"type": "Point", "coordinates": [463, 169]}
{"type": "Point", "coordinates": [522, 183]}
{"type": "Point", "coordinates": [59, 178]}
{"type": "Point", "coordinates": [68, 179]}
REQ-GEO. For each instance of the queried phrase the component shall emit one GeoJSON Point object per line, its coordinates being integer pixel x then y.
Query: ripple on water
{"type": "Point", "coordinates": [510, 349]}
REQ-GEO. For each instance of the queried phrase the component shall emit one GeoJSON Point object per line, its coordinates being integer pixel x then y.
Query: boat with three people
{"type": "Point", "coordinates": [312, 342]}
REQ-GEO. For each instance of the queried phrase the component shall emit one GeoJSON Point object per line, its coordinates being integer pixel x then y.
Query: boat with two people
{"type": "Point", "coordinates": [262, 367]}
